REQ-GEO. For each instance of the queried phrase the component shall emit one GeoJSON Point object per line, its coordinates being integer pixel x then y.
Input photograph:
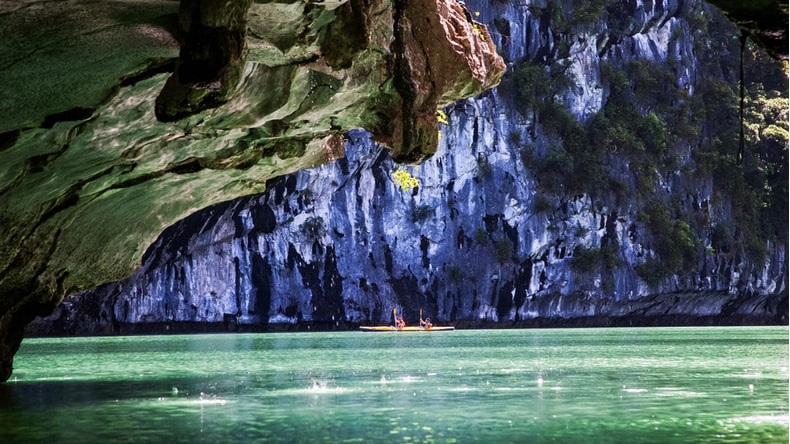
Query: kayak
{"type": "Point", "coordinates": [390, 328]}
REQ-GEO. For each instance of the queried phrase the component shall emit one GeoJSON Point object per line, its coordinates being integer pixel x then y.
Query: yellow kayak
{"type": "Point", "coordinates": [390, 328]}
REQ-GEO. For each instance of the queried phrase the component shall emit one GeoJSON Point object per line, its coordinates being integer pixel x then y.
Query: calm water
{"type": "Point", "coordinates": [577, 385]}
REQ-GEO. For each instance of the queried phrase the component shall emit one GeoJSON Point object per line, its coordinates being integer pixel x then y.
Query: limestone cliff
{"type": "Point", "coordinates": [598, 185]}
{"type": "Point", "coordinates": [120, 118]}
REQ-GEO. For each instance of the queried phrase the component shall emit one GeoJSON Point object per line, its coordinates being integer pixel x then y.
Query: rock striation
{"type": "Point", "coordinates": [496, 233]}
{"type": "Point", "coordinates": [118, 119]}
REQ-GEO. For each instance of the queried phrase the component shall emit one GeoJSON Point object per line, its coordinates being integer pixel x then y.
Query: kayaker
{"type": "Point", "coordinates": [426, 324]}
{"type": "Point", "coordinates": [399, 323]}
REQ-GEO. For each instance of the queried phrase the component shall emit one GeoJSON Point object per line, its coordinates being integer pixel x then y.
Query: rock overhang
{"type": "Point", "coordinates": [120, 118]}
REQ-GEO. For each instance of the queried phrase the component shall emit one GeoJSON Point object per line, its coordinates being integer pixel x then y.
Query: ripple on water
{"type": "Point", "coordinates": [634, 390]}
{"type": "Point", "coordinates": [189, 402]}
{"type": "Point", "coordinates": [676, 392]}
{"type": "Point", "coordinates": [762, 419]}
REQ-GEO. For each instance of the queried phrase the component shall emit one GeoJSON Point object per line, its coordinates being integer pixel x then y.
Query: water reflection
{"type": "Point", "coordinates": [568, 385]}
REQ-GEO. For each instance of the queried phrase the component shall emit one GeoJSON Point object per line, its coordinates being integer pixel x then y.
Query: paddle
{"type": "Point", "coordinates": [424, 324]}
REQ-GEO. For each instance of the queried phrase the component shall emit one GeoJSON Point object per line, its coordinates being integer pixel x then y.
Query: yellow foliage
{"type": "Point", "coordinates": [479, 31]}
{"type": "Point", "coordinates": [404, 179]}
{"type": "Point", "coordinates": [441, 117]}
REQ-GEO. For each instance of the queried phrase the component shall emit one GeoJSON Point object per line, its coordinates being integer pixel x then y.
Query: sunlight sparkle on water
{"type": "Point", "coordinates": [605, 385]}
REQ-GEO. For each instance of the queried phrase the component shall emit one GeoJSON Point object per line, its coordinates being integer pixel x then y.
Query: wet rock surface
{"type": "Point", "coordinates": [120, 118]}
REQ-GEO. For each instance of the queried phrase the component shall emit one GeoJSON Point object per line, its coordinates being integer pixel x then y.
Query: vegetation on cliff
{"type": "Point", "coordinates": [652, 127]}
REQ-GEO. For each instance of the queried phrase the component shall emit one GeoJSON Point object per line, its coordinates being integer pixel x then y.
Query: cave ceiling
{"type": "Point", "coordinates": [121, 117]}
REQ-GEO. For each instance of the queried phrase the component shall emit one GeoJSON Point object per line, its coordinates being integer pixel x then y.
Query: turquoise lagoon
{"type": "Point", "coordinates": [624, 385]}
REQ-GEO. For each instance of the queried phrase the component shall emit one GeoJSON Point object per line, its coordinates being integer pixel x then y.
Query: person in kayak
{"type": "Point", "coordinates": [399, 323]}
{"type": "Point", "coordinates": [426, 324]}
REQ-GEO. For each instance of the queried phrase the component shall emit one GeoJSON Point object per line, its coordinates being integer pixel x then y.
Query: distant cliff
{"type": "Point", "coordinates": [609, 180]}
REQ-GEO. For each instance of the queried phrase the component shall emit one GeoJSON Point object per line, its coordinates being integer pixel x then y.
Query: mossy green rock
{"type": "Point", "coordinates": [120, 118]}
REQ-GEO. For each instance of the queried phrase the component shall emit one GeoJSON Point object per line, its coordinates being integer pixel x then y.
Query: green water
{"type": "Point", "coordinates": [653, 385]}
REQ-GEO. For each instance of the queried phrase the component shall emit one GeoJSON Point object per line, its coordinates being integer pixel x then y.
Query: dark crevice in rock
{"type": "Point", "coordinates": [347, 34]}
{"type": "Point", "coordinates": [402, 80]}
{"type": "Point", "coordinates": [407, 295]}
{"type": "Point", "coordinates": [8, 139]}
{"type": "Point", "coordinates": [188, 166]}
{"type": "Point", "coordinates": [36, 164]}
{"type": "Point", "coordinates": [388, 258]}
{"type": "Point", "coordinates": [543, 54]}
{"type": "Point", "coordinates": [261, 280]}
{"type": "Point", "coordinates": [154, 68]}
{"type": "Point", "coordinates": [424, 244]}
{"type": "Point", "coordinates": [264, 219]}
{"type": "Point", "coordinates": [211, 60]}
{"type": "Point", "coordinates": [73, 114]}
{"type": "Point", "coordinates": [135, 180]}
{"type": "Point", "coordinates": [331, 303]}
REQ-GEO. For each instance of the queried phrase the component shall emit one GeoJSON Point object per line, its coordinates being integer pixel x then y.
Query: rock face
{"type": "Point", "coordinates": [120, 118]}
{"type": "Point", "coordinates": [544, 207]}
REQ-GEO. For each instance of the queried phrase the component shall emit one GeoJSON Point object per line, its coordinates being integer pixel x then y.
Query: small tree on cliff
{"type": "Point", "coordinates": [313, 228]}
